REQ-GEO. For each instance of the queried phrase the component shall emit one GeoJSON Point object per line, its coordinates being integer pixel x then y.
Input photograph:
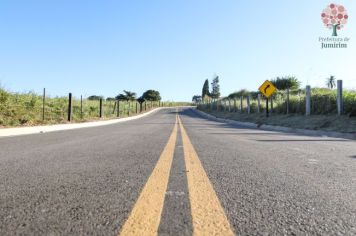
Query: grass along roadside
{"type": "Point", "coordinates": [26, 109]}
{"type": "Point", "coordinates": [314, 122]}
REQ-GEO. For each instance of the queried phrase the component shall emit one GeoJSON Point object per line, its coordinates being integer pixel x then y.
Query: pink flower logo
{"type": "Point", "coordinates": [334, 17]}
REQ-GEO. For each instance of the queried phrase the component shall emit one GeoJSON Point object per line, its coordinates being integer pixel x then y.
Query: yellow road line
{"type": "Point", "coordinates": [146, 213]}
{"type": "Point", "coordinates": [208, 215]}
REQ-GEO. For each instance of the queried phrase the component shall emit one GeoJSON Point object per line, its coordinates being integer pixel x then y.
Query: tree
{"type": "Point", "coordinates": [238, 94]}
{"type": "Point", "coordinates": [110, 99]}
{"type": "Point", "coordinates": [330, 82]}
{"type": "Point", "coordinates": [121, 97]}
{"type": "Point", "coordinates": [131, 96]}
{"type": "Point", "coordinates": [287, 82]}
{"type": "Point", "coordinates": [151, 95]}
{"type": "Point", "coordinates": [334, 17]}
{"type": "Point", "coordinates": [215, 88]}
{"type": "Point", "coordinates": [126, 96]}
{"type": "Point", "coordinates": [140, 100]}
{"type": "Point", "coordinates": [205, 90]}
{"type": "Point", "coordinates": [196, 99]}
{"type": "Point", "coordinates": [95, 97]}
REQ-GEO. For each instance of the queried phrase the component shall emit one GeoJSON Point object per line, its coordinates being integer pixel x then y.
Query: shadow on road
{"type": "Point", "coordinates": [218, 124]}
{"type": "Point", "coordinates": [244, 133]}
{"type": "Point", "coordinates": [195, 115]}
{"type": "Point", "coordinates": [305, 140]}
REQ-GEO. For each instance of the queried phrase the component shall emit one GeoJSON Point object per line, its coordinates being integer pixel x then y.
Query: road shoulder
{"type": "Point", "coordinates": [6, 132]}
{"type": "Point", "coordinates": [279, 128]}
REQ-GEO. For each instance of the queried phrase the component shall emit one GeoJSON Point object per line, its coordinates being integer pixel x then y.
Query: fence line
{"type": "Point", "coordinates": [30, 108]}
{"type": "Point", "coordinates": [307, 102]}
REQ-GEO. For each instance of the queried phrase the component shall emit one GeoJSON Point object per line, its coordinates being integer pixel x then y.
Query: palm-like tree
{"type": "Point", "coordinates": [286, 82]}
{"type": "Point", "coordinates": [330, 82]}
{"type": "Point", "coordinates": [130, 95]}
{"type": "Point", "coordinates": [126, 96]}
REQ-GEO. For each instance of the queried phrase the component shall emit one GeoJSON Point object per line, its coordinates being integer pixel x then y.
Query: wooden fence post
{"type": "Point", "coordinates": [128, 110]}
{"type": "Point", "coordinates": [113, 110]}
{"type": "Point", "coordinates": [258, 103]}
{"type": "Point", "coordinates": [70, 107]}
{"type": "Point", "coordinates": [271, 110]}
{"type": "Point", "coordinates": [118, 108]}
{"type": "Point", "coordinates": [81, 106]}
{"type": "Point", "coordinates": [241, 100]}
{"type": "Point", "coordinates": [43, 104]}
{"type": "Point", "coordinates": [248, 105]}
{"type": "Point", "coordinates": [101, 108]}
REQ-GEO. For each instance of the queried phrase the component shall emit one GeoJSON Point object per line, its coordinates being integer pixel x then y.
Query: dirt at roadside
{"type": "Point", "coordinates": [314, 122]}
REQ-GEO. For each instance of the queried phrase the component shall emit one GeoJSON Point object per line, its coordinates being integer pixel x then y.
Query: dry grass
{"type": "Point", "coordinates": [313, 122]}
{"type": "Point", "coordinates": [26, 109]}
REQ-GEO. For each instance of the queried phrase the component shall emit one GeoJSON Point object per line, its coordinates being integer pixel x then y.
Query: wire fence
{"type": "Point", "coordinates": [322, 102]}
{"type": "Point", "coordinates": [31, 109]}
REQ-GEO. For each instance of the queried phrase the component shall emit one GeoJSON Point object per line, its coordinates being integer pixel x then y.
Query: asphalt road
{"type": "Point", "coordinates": [103, 180]}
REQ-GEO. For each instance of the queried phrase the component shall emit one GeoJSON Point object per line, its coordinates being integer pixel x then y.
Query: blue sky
{"type": "Point", "coordinates": [102, 47]}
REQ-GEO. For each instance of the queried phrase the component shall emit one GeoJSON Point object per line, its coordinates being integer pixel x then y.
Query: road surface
{"type": "Point", "coordinates": [176, 173]}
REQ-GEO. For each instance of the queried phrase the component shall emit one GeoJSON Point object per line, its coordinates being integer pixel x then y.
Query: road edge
{"type": "Point", "coordinates": [280, 128]}
{"type": "Point", "coordinates": [9, 132]}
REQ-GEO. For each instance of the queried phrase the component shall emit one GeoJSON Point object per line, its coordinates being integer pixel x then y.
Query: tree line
{"type": "Point", "coordinates": [207, 94]}
{"type": "Point", "coordinates": [282, 83]}
{"type": "Point", "coordinates": [149, 95]}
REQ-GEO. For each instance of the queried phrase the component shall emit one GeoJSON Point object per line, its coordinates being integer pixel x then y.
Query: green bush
{"type": "Point", "coordinates": [323, 101]}
{"type": "Point", "coordinates": [27, 109]}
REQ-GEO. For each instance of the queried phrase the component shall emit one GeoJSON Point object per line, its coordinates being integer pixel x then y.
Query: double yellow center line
{"type": "Point", "coordinates": [207, 213]}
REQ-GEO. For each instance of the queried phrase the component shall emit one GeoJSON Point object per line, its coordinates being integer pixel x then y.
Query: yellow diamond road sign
{"type": "Point", "coordinates": [267, 88]}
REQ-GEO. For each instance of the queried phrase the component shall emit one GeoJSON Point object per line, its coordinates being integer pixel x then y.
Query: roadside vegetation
{"type": "Point", "coordinates": [287, 106]}
{"type": "Point", "coordinates": [26, 109]}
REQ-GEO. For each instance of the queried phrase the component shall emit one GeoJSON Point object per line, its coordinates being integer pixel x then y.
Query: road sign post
{"type": "Point", "coordinates": [267, 89]}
